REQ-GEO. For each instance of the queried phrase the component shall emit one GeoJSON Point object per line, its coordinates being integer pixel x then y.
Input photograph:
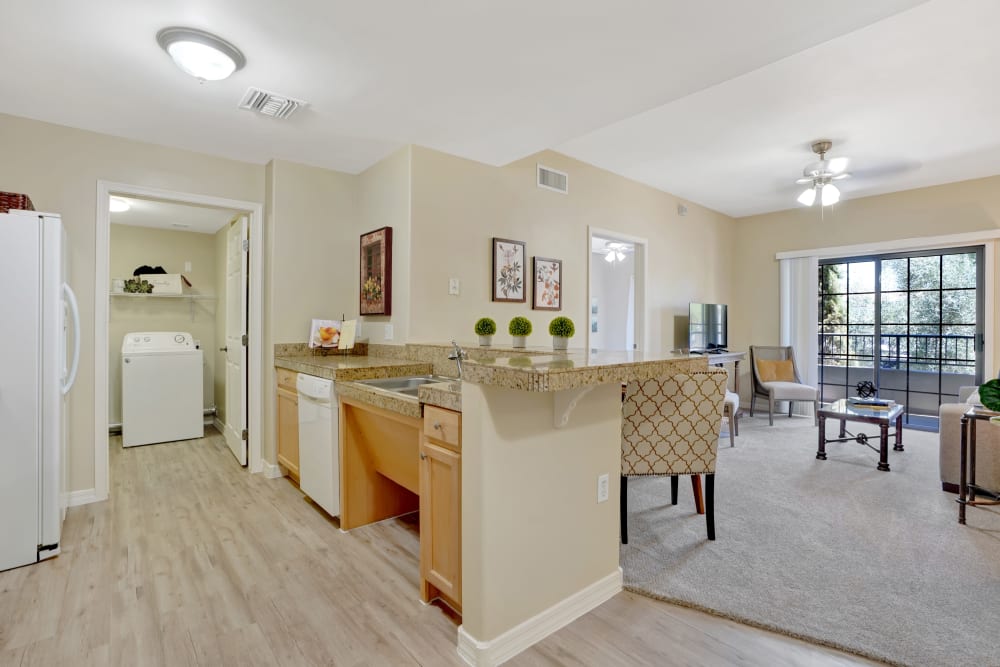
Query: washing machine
{"type": "Point", "coordinates": [162, 388]}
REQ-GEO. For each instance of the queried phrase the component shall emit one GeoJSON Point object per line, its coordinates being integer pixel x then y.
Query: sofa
{"type": "Point", "coordinates": [950, 439]}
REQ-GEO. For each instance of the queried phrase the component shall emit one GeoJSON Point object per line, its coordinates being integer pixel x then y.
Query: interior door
{"type": "Point", "coordinates": [236, 328]}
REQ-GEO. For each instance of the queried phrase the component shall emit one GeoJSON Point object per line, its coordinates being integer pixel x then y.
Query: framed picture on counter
{"type": "Point", "coordinates": [376, 272]}
{"type": "Point", "coordinates": [547, 294]}
{"type": "Point", "coordinates": [508, 271]}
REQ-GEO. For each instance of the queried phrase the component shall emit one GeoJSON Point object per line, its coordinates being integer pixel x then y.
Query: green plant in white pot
{"type": "Point", "coordinates": [561, 329]}
{"type": "Point", "coordinates": [520, 329]}
{"type": "Point", "coordinates": [485, 328]}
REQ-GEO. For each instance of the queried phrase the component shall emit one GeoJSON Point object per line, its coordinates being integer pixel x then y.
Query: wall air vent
{"type": "Point", "coordinates": [551, 179]}
{"type": "Point", "coordinates": [270, 104]}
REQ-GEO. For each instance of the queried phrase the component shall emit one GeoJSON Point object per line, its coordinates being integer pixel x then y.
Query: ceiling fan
{"type": "Point", "coordinates": [616, 251]}
{"type": "Point", "coordinates": [820, 175]}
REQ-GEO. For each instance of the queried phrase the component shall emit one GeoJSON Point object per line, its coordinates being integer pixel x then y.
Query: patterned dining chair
{"type": "Point", "coordinates": [670, 427]}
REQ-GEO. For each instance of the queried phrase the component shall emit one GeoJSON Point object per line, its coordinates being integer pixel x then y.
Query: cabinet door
{"type": "Point", "coordinates": [440, 522]}
{"type": "Point", "coordinates": [288, 431]}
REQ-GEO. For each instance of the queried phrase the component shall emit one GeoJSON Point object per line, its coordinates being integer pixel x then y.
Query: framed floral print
{"type": "Point", "coordinates": [547, 292]}
{"type": "Point", "coordinates": [508, 271]}
{"type": "Point", "coordinates": [376, 272]}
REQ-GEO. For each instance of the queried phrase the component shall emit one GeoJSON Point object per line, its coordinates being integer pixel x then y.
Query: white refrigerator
{"type": "Point", "coordinates": [36, 373]}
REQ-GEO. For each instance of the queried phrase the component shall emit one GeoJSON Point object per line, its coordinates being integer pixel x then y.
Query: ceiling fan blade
{"type": "Point", "coordinates": [837, 164]}
{"type": "Point", "coordinates": [840, 177]}
{"type": "Point", "coordinates": [804, 180]}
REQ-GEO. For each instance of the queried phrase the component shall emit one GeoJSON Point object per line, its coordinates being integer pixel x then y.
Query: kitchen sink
{"type": "Point", "coordinates": [405, 385]}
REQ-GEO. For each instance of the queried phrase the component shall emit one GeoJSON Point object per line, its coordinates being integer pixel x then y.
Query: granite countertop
{"type": "Point", "coordinates": [341, 367]}
{"type": "Point", "coordinates": [446, 395]}
{"type": "Point", "coordinates": [575, 369]}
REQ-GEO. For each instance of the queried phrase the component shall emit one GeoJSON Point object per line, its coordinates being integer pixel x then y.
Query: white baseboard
{"type": "Point", "coordinates": [271, 470]}
{"type": "Point", "coordinates": [83, 497]}
{"type": "Point", "coordinates": [219, 426]}
{"type": "Point", "coordinates": [506, 646]}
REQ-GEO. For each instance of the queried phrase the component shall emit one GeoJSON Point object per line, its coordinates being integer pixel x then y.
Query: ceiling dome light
{"type": "Point", "coordinates": [201, 54]}
{"type": "Point", "coordinates": [118, 205]}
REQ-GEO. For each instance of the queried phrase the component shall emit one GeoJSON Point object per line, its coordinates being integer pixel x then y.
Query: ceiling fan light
{"type": "Point", "coordinates": [837, 164]}
{"type": "Point", "coordinates": [808, 196]}
{"type": "Point", "coordinates": [610, 257]}
{"type": "Point", "coordinates": [620, 255]}
{"type": "Point", "coordinates": [830, 195]}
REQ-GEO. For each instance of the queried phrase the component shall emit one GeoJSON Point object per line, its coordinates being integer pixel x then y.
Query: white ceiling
{"type": "Point", "coordinates": [715, 102]}
{"type": "Point", "coordinates": [172, 216]}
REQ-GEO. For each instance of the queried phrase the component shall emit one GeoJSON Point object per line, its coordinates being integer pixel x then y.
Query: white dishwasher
{"type": "Point", "coordinates": [319, 436]}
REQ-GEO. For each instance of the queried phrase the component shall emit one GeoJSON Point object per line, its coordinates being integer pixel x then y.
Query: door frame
{"type": "Point", "coordinates": [641, 274]}
{"type": "Point", "coordinates": [255, 323]}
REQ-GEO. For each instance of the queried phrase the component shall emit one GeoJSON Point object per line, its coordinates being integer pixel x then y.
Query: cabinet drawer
{"type": "Point", "coordinates": [443, 425]}
{"type": "Point", "coordinates": [286, 378]}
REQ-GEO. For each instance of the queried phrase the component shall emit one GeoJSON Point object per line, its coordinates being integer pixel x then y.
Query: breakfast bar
{"type": "Point", "coordinates": [538, 547]}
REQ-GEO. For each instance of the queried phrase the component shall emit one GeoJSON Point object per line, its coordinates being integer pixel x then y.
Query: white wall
{"type": "Point", "coordinates": [132, 247]}
{"type": "Point", "coordinates": [59, 168]}
{"type": "Point", "coordinates": [609, 284]}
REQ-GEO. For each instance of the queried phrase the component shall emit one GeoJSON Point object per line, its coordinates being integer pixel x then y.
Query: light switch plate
{"type": "Point", "coordinates": [388, 332]}
{"type": "Point", "coordinates": [187, 266]}
{"type": "Point", "coordinates": [453, 286]}
{"type": "Point", "coordinates": [602, 488]}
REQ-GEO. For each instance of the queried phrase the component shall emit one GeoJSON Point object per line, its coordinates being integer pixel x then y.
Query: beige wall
{"type": "Point", "coordinates": [459, 205]}
{"type": "Point", "coordinates": [310, 260]}
{"type": "Point", "coordinates": [59, 168]}
{"type": "Point", "coordinates": [384, 201]}
{"type": "Point", "coordinates": [132, 247]}
{"type": "Point", "coordinates": [968, 206]}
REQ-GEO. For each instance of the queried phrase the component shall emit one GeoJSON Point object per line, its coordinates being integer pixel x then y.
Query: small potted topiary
{"type": "Point", "coordinates": [485, 328]}
{"type": "Point", "coordinates": [519, 328]}
{"type": "Point", "coordinates": [561, 329]}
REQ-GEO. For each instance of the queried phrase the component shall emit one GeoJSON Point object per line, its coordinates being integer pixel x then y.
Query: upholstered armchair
{"type": "Point", "coordinates": [776, 378]}
{"type": "Point", "coordinates": [670, 427]}
{"type": "Point", "coordinates": [950, 440]}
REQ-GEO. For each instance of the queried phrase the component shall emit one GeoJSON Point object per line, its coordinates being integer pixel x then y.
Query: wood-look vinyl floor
{"type": "Point", "coordinates": [194, 561]}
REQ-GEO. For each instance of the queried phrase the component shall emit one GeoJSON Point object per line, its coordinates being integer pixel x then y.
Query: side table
{"type": "Point", "coordinates": [967, 487]}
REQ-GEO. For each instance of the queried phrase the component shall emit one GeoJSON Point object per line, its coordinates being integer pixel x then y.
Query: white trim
{"type": "Point", "coordinates": [989, 307]}
{"type": "Point", "coordinates": [83, 497]}
{"type": "Point", "coordinates": [219, 426]}
{"type": "Point", "coordinates": [271, 470]}
{"type": "Point", "coordinates": [102, 233]}
{"type": "Point", "coordinates": [900, 245]}
{"type": "Point", "coordinates": [524, 635]}
{"type": "Point", "coordinates": [641, 329]}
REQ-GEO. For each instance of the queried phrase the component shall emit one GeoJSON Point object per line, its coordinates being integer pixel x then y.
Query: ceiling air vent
{"type": "Point", "coordinates": [551, 179]}
{"type": "Point", "coordinates": [270, 104]}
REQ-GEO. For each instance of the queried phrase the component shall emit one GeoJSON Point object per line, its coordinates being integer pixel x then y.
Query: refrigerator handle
{"type": "Point", "coordinates": [75, 313]}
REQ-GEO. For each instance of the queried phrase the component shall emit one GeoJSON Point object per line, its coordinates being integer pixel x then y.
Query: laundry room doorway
{"type": "Point", "coordinates": [205, 294]}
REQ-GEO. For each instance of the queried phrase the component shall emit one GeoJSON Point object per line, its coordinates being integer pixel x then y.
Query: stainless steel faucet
{"type": "Point", "coordinates": [458, 355]}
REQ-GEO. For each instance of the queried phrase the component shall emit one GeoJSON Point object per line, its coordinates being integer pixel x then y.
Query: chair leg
{"type": "Point", "coordinates": [790, 409]}
{"type": "Point", "coordinates": [673, 490]}
{"type": "Point", "coordinates": [753, 399]}
{"type": "Point", "coordinates": [624, 509]}
{"type": "Point", "coordinates": [815, 413]}
{"type": "Point", "coordinates": [710, 504]}
{"type": "Point", "coordinates": [731, 418]}
{"type": "Point", "coordinates": [699, 503]}
{"type": "Point", "coordinates": [736, 421]}
{"type": "Point", "coordinates": [770, 410]}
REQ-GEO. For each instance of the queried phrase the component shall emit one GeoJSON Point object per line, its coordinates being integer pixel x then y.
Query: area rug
{"type": "Point", "coordinates": [832, 551]}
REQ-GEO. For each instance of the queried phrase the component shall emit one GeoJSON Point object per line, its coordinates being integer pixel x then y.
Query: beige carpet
{"type": "Point", "coordinates": [832, 551]}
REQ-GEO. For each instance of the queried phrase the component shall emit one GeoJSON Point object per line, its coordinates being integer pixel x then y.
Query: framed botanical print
{"type": "Point", "coordinates": [547, 292]}
{"type": "Point", "coordinates": [508, 271]}
{"type": "Point", "coordinates": [376, 272]}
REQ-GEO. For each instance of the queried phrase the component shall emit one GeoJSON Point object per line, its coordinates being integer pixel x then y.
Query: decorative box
{"type": "Point", "coordinates": [164, 283]}
{"type": "Point", "coordinates": [12, 201]}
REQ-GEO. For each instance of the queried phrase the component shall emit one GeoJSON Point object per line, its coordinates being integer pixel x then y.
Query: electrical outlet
{"type": "Point", "coordinates": [602, 488]}
{"type": "Point", "coordinates": [453, 286]}
{"type": "Point", "coordinates": [388, 332]}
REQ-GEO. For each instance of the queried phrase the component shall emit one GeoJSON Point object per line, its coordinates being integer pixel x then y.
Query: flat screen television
{"type": "Point", "coordinates": [707, 329]}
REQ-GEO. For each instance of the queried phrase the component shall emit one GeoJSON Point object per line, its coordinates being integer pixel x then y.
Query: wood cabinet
{"type": "Point", "coordinates": [441, 507]}
{"type": "Point", "coordinates": [288, 422]}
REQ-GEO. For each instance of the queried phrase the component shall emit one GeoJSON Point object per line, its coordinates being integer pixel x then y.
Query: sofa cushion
{"type": "Point", "coordinates": [778, 370]}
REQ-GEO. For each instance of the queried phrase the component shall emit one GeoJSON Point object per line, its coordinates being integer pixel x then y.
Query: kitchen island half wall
{"type": "Point", "coordinates": [538, 549]}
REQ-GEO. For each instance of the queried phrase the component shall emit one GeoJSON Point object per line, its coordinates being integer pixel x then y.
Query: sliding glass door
{"type": "Point", "coordinates": [911, 324]}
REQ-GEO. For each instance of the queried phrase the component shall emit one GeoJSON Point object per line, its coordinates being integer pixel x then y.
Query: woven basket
{"type": "Point", "coordinates": [12, 201]}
